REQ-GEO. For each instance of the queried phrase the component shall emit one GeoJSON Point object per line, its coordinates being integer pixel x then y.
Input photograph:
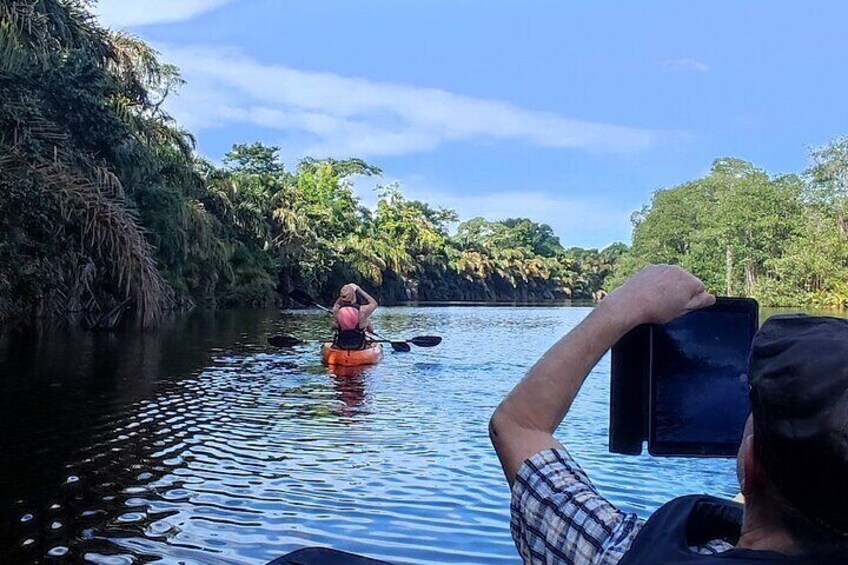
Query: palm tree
{"type": "Point", "coordinates": [48, 41]}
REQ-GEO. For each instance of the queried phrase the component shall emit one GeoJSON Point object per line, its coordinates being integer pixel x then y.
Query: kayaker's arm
{"type": "Point", "coordinates": [336, 305]}
{"type": "Point", "coordinates": [526, 420]}
{"type": "Point", "coordinates": [370, 304]}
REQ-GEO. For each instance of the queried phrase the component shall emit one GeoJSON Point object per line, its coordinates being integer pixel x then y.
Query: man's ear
{"type": "Point", "coordinates": [752, 471]}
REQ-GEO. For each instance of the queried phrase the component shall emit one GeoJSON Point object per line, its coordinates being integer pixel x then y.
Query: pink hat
{"type": "Point", "coordinates": [348, 318]}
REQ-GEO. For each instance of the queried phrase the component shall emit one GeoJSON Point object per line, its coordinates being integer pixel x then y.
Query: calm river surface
{"type": "Point", "coordinates": [200, 444]}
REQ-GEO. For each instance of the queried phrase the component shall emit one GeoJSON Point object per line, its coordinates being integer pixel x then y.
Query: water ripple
{"type": "Point", "coordinates": [250, 453]}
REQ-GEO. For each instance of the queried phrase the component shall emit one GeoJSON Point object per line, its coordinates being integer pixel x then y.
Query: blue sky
{"type": "Point", "coordinates": [569, 113]}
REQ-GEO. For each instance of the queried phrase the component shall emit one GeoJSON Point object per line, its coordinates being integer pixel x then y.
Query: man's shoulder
{"type": "Point", "coordinates": [558, 512]}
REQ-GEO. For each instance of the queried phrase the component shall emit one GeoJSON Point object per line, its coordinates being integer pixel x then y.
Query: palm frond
{"type": "Point", "coordinates": [92, 200]}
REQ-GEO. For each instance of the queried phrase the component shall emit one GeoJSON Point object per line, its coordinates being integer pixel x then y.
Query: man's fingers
{"type": "Point", "coordinates": [702, 300]}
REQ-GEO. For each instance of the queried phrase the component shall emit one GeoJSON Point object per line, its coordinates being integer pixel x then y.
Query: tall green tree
{"type": "Point", "coordinates": [778, 238]}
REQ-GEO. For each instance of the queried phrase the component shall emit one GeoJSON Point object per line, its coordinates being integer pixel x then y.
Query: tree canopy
{"type": "Point", "coordinates": [782, 239]}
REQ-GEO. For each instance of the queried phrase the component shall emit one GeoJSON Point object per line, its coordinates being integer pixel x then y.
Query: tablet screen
{"type": "Point", "coordinates": [699, 385]}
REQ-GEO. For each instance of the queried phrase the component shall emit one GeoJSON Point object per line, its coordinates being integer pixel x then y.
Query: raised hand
{"type": "Point", "coordinates": [660, 293]}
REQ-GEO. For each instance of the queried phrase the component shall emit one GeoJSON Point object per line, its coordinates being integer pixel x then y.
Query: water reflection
{"type": "Point", "coordinates": [349, 383]}
{"type": "Point", "coordinates": [76, 428]}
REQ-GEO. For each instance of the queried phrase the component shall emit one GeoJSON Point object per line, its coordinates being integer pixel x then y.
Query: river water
{"type": "Point", "coordinates": [200, 444]}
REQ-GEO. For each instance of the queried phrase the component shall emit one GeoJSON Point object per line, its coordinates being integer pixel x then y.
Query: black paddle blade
{"type": "Point", "coordinates": [301, 297]}
{"type": "Point", "coordinates": [401, 346]}
{"type": "Point", "coordinates": [425, 340]}
{"type": "Point", "coordinates": [283, 341]}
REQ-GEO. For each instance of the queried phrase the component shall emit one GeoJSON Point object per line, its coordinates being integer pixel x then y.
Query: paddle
{"type": "Point", "coordinates": [425, 340]}
{"type": "Point", "coordinates": [420, 341]}
{"type": "Point", "coordinates": [401, 346]}
{"type": "Point", "coordinates": [306, 300]}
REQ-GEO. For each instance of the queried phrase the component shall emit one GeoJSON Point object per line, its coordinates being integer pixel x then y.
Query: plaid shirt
{"type": "Point", "coordinates": [557, 516]}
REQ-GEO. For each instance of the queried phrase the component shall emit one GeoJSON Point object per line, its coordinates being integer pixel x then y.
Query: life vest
{"type": "Point", "coordinates": [349, 339]}
{"type": "Point", "coordinates": [695, 520]}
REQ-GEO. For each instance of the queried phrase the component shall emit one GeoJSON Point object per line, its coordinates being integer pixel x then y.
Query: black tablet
{"type": "Point", "coordinates": [698, 384]}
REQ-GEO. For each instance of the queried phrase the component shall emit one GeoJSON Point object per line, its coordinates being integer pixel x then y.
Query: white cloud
{"type": "Point", "coordinates": [685, 65]}
{"type": "Point", "coordinates": [577, 221]}
{"type": "Point", "coordinates": [327, 114]}
{"type": "Point", "coordinates": [125, 13]}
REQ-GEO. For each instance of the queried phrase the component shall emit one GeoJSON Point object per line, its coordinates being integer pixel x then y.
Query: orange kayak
{"type": "Point", "coordinates": [371, 355]}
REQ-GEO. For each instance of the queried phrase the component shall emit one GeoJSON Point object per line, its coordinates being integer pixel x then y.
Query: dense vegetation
{"type": "Point", "coordinates": [782, 239]}
{"type": "Point", "coordinates": [106, 208]}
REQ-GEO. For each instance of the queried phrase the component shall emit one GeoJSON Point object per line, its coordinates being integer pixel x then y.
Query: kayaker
{"type": "Point", "coordinates": [792, 464]}
{"type": "Point", "coordinates": [352, 320]}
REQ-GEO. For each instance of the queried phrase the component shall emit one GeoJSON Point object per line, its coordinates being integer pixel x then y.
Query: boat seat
{"type": "Point", "coordinates": [324, 556]}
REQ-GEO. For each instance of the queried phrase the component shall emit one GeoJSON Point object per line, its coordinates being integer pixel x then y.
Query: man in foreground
{"type": "Point", "coordinates": [792, 464]}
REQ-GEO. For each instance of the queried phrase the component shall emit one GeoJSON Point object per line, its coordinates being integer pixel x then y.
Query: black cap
{"type": "Point", "coordinates": [799, 398]}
